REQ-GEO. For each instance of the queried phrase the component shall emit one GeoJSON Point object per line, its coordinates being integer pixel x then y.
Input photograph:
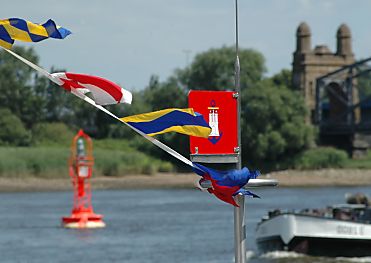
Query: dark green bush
{"type": "Point", "coordinates": [149, 168]}
{"type": "Point", "coordinates": [165, 167]}
{"type": "Point", "coordinates": [55, 133]}
{"type": "Point", "coordinates": [124, 162]}
{"type": "Point", "coordinates": [113, 144]}
{"type": "Point", "coordinates": [322, 157]}
{"type": "Point", "coordinates": [110, 168]}
{"type": "Point", "coordinates": [12, 130]}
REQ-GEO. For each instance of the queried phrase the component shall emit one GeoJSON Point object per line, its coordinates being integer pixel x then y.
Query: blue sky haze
{"type": "Point", "coordinates": [127, 41]}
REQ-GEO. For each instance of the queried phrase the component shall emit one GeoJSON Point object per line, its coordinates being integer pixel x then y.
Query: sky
{"type": "Point", "coordinates": [127, 41]}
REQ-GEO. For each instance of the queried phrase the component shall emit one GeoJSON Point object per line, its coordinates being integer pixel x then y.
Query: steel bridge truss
{"type": "Point", "coordinates": [339, 106]}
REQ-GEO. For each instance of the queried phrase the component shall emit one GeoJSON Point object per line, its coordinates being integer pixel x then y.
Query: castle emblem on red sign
{"type": "Point", "coordinates": [215, 134]}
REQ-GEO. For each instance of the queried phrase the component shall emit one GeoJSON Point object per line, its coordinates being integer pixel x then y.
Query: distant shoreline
{"type": "Point", "coordinates": [289, 178]}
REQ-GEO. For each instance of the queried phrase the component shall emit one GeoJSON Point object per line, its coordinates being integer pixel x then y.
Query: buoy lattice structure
{"type": "Point", "coordinates": [80, 165]}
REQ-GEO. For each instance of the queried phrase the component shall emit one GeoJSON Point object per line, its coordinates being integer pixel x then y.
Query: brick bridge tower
{"type": "Point", "coordinates": [309, 64]}
{"type": "Point", "coordinates": [340, 109]}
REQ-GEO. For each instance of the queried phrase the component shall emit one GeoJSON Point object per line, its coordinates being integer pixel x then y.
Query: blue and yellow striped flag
{"type": "Point", "coordinates": [184, 121]}
{"type": "Point", "coordinates": [18, 29]}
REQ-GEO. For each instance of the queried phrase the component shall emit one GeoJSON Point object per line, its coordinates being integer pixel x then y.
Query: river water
{"type": "Point", "coordinates": [164, 226]}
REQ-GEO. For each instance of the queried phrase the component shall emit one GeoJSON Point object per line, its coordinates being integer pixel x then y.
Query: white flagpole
{"type": "Point", "coordinates": [239, 212]}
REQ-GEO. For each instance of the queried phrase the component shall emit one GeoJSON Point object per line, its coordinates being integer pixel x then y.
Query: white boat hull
{"type": "Point", "coordinates": [314, 235]}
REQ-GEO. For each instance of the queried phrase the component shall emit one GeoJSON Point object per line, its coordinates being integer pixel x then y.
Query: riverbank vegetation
{"type": "Point", "coordinates": [38, 120]}
{"type": "Point", "coordinates": [52, 162]}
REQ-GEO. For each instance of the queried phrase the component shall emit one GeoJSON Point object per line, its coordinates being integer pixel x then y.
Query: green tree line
{"type": "Point", "coordinates": [273, 114]}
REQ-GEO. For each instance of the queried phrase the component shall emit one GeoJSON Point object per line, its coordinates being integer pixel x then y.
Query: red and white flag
{"type": "Point", "coordinates": [104, 92]}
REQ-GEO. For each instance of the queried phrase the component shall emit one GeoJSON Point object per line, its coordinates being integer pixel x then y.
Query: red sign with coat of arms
{"type": "Point", "coordinates": [219, 109]}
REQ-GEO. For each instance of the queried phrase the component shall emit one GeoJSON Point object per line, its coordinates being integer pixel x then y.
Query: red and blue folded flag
{"type": "Point", "coordinates": [226, 184]}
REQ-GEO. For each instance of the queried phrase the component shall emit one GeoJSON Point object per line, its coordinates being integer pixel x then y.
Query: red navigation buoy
{"type": "Point", "coordinates": [81, 166]}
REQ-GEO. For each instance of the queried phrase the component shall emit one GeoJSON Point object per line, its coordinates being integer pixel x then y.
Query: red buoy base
{"type": "Point", "coordinates": [83, 219]}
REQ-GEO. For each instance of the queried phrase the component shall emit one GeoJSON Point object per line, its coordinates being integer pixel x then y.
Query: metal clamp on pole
{"type": "Point", "coordinates": [253, 183]}
{"type": "Point", "coordinates": [261, 183]}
